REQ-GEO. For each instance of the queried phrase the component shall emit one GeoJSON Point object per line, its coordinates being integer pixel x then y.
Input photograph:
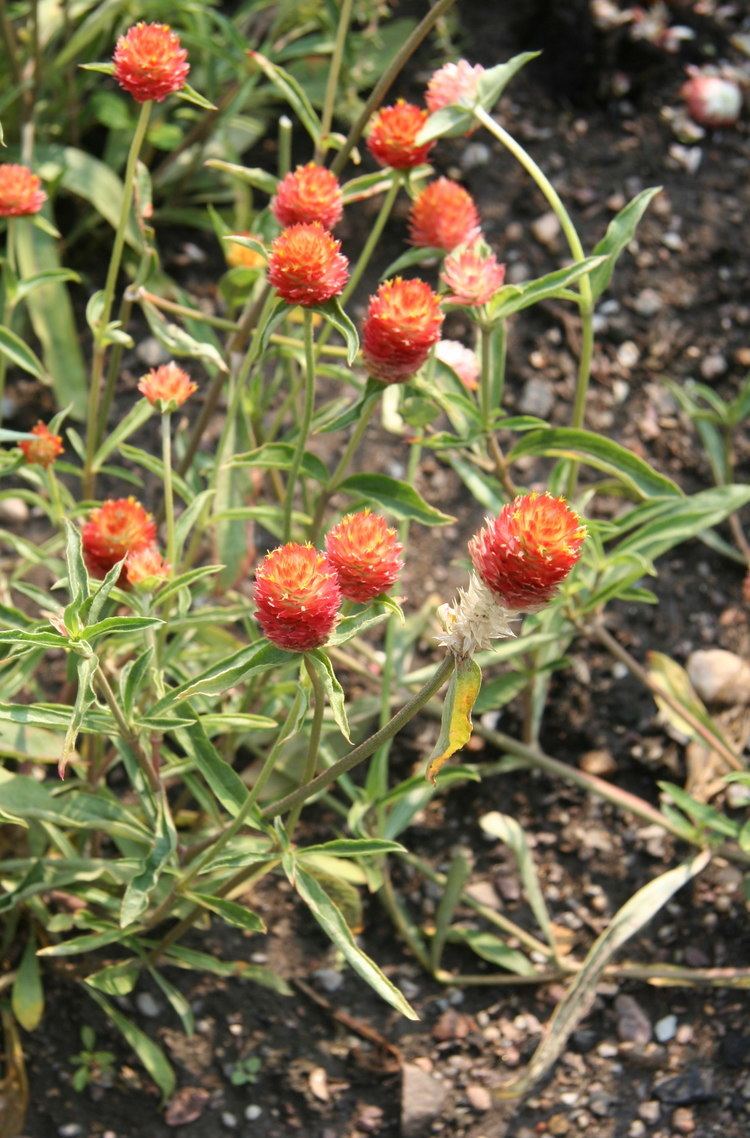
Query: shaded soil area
{"type": "Point", "coordinates": [648, 1062]}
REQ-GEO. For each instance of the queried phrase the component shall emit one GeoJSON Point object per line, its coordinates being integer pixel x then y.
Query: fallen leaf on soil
{"type": "Point", "coordinates": [186, 1106]}
{"type": "Point", "coordinates": [318, 1082]}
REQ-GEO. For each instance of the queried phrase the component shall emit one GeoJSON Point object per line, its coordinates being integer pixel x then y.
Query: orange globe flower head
{"type": "Point", "coordinates": [150, 62]}
{"type": "Point", "coordinates": [443, 216]}
{"type": "Point", "coordinates": [366, 555]}
{"type": "Point", "coordinates": [460, 359]}
{"type": "Point", "coordinates": [20, 191]}
{"type": "Point", "coordinates": [309, 193]}
{"type": "Point", "coordinates": [306, 265]}
{"type": "Point", "coordinates": [242, 256]}
{"type": "Point", "coordinates": [392, 140]}
{"type": "Point", "coordinates": [146, 569]}
{"type": "Point", "coordinates": [167, 387]}
{"type": "Point", "coordinates": [297, 597]}
{"type": "Point", "coordinates": [454, 83]}
{"type": "Point", "coordinates": [472, 274]}
{"type": "Point", "coordinates": [401, 327]}
{"type": "Point", "coordinates": [116, 528]}
{"type": "Point", "coordinates": [528, 550]}
{"type": "Point", "coordinates": [44, 448]}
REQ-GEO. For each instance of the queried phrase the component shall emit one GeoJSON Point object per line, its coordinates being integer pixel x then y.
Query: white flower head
{"type": "Point", "coordinates": [474, 620]}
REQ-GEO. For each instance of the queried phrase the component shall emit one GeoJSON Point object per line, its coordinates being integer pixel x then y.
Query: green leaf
{"type": "Point", "coordinates": [27, 996]}
{"type": "Point", "coordinates": [703, 815]}
{"type": "Point", "coordinates": [253, 176]}
{"type": "Point", "coordinates": [52, 318]}
{"type": "Point", "coordinates": [455, 726]}
{"type": "Point", "coordinates": [134, 419]}
{"type": "Point", "coordinates": [178, 342]}
{"type": "Point", "coordinates": [489, 947]}
{"type": "Point", "coordinates": [42, 278]}
{"type": "Point", "coordinates": [334, 691]}
{"type": "Point", "coordinates": [331, 920]}
{"type": "Point", "coordinates": [353, 847]}
{"type": "Point", "coordinates": [635, 913]}
{"type": "Point", "coordinates": [94, 181]}
{"type": "Point", "coordinates": [223, 780]}
{"type": "Point", "coordinates": [424, 255]}
{"type": "Point", "coordinates": [507, 830]}
{"type": "Point", "coordinates": [229, 911]}
{"type": "Point", "coordinates": [279, 456]}
{"type": "Point", "coordinates": [620, 232]}
{"type": "Point", "coordinates": [665, 522]}
{"type": "Point", "coordinates": [117, 625]}
{"type": "Point", "coordinates": [189, 95]}
{"type": "Point", "coordinates": [116, 979]}
{"type": "Point", "coordinates": [20, 354]}
{"type": "Point", "coordinates": [149, 1053]}
{"type": "Point", "coordinates": [132, 680]}
{"type": "Point", "coordinates": [495, 79]}
{"type": "Point", "coordinates": [248, 242]}
{"type": "Point", "coordinates": [228, 672]}
{"type": "Point", "coordinates": [514, 298]}
{"type": "Point", "coordinates": [292, 91]}
{"type": "Point", "coordinates": [599, 452]}
{"type": "Point", "coordinates": [78, 578]}
{"type": "Point", "coordinates": [398, 498]}
{"type": "Point", "coordinates": [136, 897]}
{"type": "Point", "coordinates": [448, 122]}
{"type": "Point", "coordinates": [85, 696]}
{"type": "Point", "coordinates": [335, 315]}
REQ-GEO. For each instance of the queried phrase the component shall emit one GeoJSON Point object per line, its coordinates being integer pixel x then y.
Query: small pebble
{"type": "Point", "coordinates": [13, 510]}
{"type": "Point", "coordinates": [479, 1097]}
{"type": "Point", "coordinates": [329, 979]}
{"type": "Point", "coordinates": [147, 1005]}
{"type": "Point", "coordinates": [70, 1130]}
{"type": "Point", "coordinates": [545, 229]}
{"type": "Point", "coordinates": [151, 353]}
{"type": "Point", "coordinates": [648, 302]}
{"type": "Point", "coordinates": [253, 1112]}
{"type": "Point", "coordinates": [713, 366]}
{"type": "Point", "coordinates": [474, 155]}
{"type": "Point", "coordinates": [665, 1029]}
{"type": "Point", "coordinates": [229, 1120]}
{"type": "Point", "coordinates": [649, 1111]}
{"type": "Point", "coordinates": [683, 1120]}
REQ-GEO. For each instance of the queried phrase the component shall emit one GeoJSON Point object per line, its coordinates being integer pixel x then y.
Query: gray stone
{"type": "Point", "coordinates": [253, 1112]}
{"type": "Point", "coordinates": [633, 1025]}
{"type": "Point", "coordinates": [329, 979]}
{"type": "Point", "coordinates": [665, 1028]}
{"type": "Point", "coordinates": [147, 1005]}
{"type": "Point", "coordinates": [537, 398]}
{"type": "Point", "coordinates": [474, 155]}
{"type": "Point", "coordinates": [422, 1100]}
{"type": "Point", "coordinates": [151, 353]}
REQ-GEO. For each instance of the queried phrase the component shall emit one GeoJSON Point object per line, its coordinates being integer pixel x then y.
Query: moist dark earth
{"type": "Point", "coordinates": [649, 1061]}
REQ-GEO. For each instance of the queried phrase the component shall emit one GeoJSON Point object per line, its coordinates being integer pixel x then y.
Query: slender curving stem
{"type": "Point", "coordinates": [304, 430]}
{"type": "Point", "coordinates": [166, 451]}
{"type": "Point", "coordinates": [313, 743]}
{"type": "Point", "coordinates": [326, 118]}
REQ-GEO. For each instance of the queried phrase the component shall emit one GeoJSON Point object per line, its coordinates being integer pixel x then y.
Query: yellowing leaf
{"type": "Point", "coordinates": [455, 728]}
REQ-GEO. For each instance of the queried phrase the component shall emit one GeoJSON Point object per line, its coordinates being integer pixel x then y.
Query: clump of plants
{"type": "Point", "coordinates": [184, 638]}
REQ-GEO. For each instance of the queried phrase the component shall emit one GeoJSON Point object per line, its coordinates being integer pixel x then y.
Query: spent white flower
{"type": "Point", "coordinates": [474, 620]}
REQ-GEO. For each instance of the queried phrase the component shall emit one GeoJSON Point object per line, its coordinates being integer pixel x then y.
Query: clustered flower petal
{"type": "Point", "coordinates": [309, 193]}
{"type": "Point", "coordinates": [401, 327]}
{"type": "Point", "coordinates": [460, 359]}
{"type": "Point", "coordinates": [20, 191]}
{"type": "Point", "coordinates": [443, 216]}
{"type": "Point", "coordinates": [150, 62]}
{"type": "Point", "coordinates": [366, 555]}
{"type": "Point", "coordinates": [712, 100]}
{"type": "Point", "coordinates": [116, 528]}
{"type": "Point", "coordinates": [297, 597]}
{"type": "Point", "coordinates": [473, 274]}
{"type": "Point", "coordinates": [242, 256]}
{"type": "Point", "coordinates": [306, 265]}
{"type": "Point", "coordinates": [453, 83]}
{"type": "Point", "coordinates": [146, 568]}
{"type": "Point", "coordinates": [393, 134]}
{"type": "Point", "coordinates": [44, 448]}
{"type": "Point", "coordinates": [167, 387]}
{"type": "Point", "coordinates": [524, 553]}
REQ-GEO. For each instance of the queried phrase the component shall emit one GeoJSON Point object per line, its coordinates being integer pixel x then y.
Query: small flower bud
{"type": "Point", "coordinates": [44, 448]}
{"type": "Point", "coordinates": [393, 133]}
{"type": "Point", "coordinates": [460, 359]}
{"type": "Point", "coordinates": [118, 527]}
{"type": "Point", "coordinates": [472, 274]}
{"type": "Point", "coordinates": [167, 387]}
{"type": "Point", "coordinates": [20, 191]}
{"type": "Point", "coordinates": [454, 84]}
{"type": "Point", "coordinates": [443, 216]}
{"type": "Point", "coordinates": [146, 569]}
{"type": "Point", "coordinates": [309, 193]}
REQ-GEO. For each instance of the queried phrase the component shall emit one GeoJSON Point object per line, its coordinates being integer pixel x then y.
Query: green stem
{"type": "Point", "coordinates": [363, 750]}
{"type": "Point", "coordinates": [123, 318]}
{"type": "Point", "coordinates": [6, 315]}
{"type": "Point", "coordinates": [304, 430]}
{"type": "Point", "coordinates": [342, 466]}
{"type": "Point", "coordinates": [313, 743]}
{"type": "Point", "coordinates": [127, 733]}
{"type": "Point", "coordinates": [485, 378]}
{"type": "Point", "coordinates": [586, 299]}
{"type": "Point", "coordinates": [380, 89]}
{"type": "Point", "coordinates": [285, 145]}
{"type": "Point", "coordinates": [326, 117]}
{"type": "Point", "coordinates": [100, 348]}
{"type": "Point", "coordinates": [54, 496]}
{"type": "Point", "coordinates": [166, 451]}
{"type": "Point", "coordinates": [373, 237]}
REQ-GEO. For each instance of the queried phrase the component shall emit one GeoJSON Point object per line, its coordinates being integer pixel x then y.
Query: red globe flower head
{"type": "Point", "coordinates": [401, 327]}
{"type": "Point", "coordinates": [524, 553]}
{"type": "Point", "coordinates": [460, 359]}
{"type": "Point", "coordinates": [150, 62]}
{"type": "Point", "coordinates": [306, 265]}
{"type": "Point", "coordinates": [44, 448]}
{"type": "Point", "coordinates": [455, 83]}
{"type": "Point", "coordinates": [242, 256]}
{"type": "Point", "coordinates": [297, 597]}
{"type": "Point", "coordinates": [167, 387]}
{"type": "Point", "coordinates": [443, 216]}
{"type": "Point", "coordinates": [712, 100]}
{"type": "Point", "coordinates": [393, 134]}
{"type": "Point", "coordinates": [309, 193]}
{"type": "Point", "coordinates": [116, 528]}
{"type": "Point", "coordinates": [472, 274]}
{"type": "Point", "coordinates": [366, 555]}
{"type": "Point", "coordinates": [146, 569]}
{"type": "Point", "coordinates": [20, 191]}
